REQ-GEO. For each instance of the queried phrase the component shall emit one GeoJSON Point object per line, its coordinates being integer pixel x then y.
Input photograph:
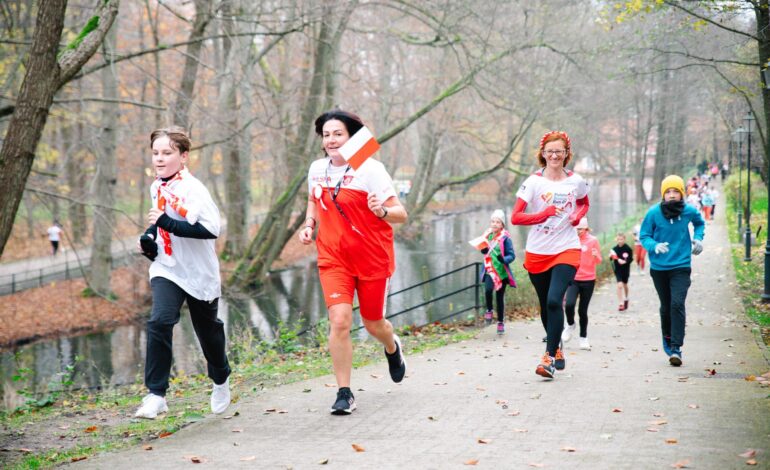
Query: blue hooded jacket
{"type": "Point", "coordinates": [658, 229]}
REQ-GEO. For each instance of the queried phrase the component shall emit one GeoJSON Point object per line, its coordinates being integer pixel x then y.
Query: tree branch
{"type": "Point", "coordinates": [674, 4]}
{"type": "Point", "coordinates": [110, 100]}
{"type": "Point", "coordinates": [704, 59]}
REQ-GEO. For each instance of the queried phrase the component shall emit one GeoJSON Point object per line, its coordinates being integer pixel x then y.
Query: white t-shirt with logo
{"type": "Point", "coordinates": [193, 264]}
{"type": "Point", "coordinates": [556, 234]}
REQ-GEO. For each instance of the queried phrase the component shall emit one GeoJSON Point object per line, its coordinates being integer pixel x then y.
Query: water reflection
{"type": "Point", "coordinates": [290, 297]}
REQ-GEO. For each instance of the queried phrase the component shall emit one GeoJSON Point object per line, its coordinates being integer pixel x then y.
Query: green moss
{"type": "Point", "coordinates": [90, 26]}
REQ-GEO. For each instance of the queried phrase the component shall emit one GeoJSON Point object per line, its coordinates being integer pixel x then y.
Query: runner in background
{"type": "Point", "coordinates": [557, 199]}
{"type": "Point", "coordinates": [353, 211]}
{"type": "Point", "coordinates": [498, 254]}
{"type": "Point", "coordinates": [583, 284]}
{"type": "Point", "coordinates": [622, 256]}
{"type": "Point", "coordinates": [54, 236]}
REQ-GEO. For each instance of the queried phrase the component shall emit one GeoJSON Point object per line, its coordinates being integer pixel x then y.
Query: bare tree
{"type": "Point", "coordinates": [45, 75]}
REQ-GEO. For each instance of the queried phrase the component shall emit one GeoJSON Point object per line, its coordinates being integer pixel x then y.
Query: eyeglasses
{"type": "Point", "coordinates": [558, 153]}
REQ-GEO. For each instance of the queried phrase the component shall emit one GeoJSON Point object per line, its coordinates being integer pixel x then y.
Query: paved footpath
{"type": "Point", "coordinates": [618, 406]}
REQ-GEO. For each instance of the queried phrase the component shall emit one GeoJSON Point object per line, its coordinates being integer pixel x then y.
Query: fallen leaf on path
{"type": "Point", "coordinates": [750, 378]}
{"type": "Point", "coordinates": [306, 390]}
{"type": "Point", "coordinates": [90, 429]}
{"type": "Point", "coordinates": [471, 462]}
{"type": "Point", "coordinates": [440, 383]}
{"type": "Point", "coordinates": [65, 427]}
{"type": "Point", "coordinates": [658, 415]}
{"type": "Point", "coordinates": [520, 430]}
{"type": "Point", "coordinates": [681, 464]}
{"type": "Point", "coordinates": [282, 412]}
{"type": "Point", "coordinates": [194, 458]}
{"type": "Point", "coordinates": [376, 376]}
{"type": "Point", "coordinates": [654, 398]}
{"type": "Point", "coordinates": [693, 406]}
{"type": "Point", "coordinates": [237, 430]}
{"type": "Point", "coordinates": [514, 413]}
{"type": "Point", "coordinates": [358, 448]}
{"type": "Point", "coordinates": [432, 418]}
{"type": "Point", "coordinates": [568, 449]}
{"type": "Point", "coordinates": [461, 373]}
{"type": "Point", "coordinates": [249, 458]}
{"type": "Point", "coordinates": [683, 379]}
{"type": "Point", "coordinates": [330, 385]}
{"type": "Point", "coordinates": [483, 441]}
{"type": "Point", "coordinates": [147, 447]}
{"type": "Point", "coordinates": [659, 422]}
{"type": "Point", "coordinates": [672, 440]}
{"type": "Point", "coordinates": [751, 462]}
{"type": "Point", "coordinates": [501, 402]}
{"type": "Point", "coordinates": [25, 450]}
{"type": "Point", "coordinates": [165, 434]}
{"type": "Point", "coordinates": [653, 429]}
{"type": "Point", "coordinates": [323, 462]}
{"type": "Point", "coordinates": [271, 410]}
{"type": "Point", "coordinates": [748, 454]}
{"type": "Point", "coordinates": [617, 410]}
{"type": "Point", "coordinates": [481, 389]}
{"type": "Point", "coordinates": [537, 465]}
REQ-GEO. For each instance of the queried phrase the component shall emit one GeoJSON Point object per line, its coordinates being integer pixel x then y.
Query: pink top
{"type": "Point", "coordinates": [588, 260]}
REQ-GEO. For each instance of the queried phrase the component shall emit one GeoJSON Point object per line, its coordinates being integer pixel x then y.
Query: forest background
{"type": "Point", "coordinates": [458, 92]}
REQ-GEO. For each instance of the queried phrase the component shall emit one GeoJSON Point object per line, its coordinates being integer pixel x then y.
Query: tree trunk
{"type": "Point", "coordinates": [105, 179]}
{"type": "Point", "coordinates": [237, 192]}
{"type": "Point", "coordinates": [180, 112]}
{"type": "Point", "coordinates": [762, 12]}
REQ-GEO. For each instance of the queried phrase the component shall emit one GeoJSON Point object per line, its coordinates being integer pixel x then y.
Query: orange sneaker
{"type": "Point", "coordinates": [559, 362]}
{"type": "Point", "coordinates": [546, 368]}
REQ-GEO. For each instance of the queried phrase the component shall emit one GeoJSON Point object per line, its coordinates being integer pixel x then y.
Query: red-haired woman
{"type": "Point", "coordinates": [557, 199]}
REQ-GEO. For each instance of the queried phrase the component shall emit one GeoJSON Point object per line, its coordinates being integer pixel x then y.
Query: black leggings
{"type": "Point", "coordinates": [489, 287]}
{"type": "Point", "coordinates": [584, 289]}
{"type": "Point", "coordinates": [550, 287]}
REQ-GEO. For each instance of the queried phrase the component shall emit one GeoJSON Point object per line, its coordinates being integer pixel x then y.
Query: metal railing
{"type": "Point", "coordinates": [475, 286]}
{"type": "Point", "coordinates": [38, 277]}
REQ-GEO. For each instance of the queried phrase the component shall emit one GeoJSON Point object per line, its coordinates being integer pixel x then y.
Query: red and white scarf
{"type": "Point", "coordinates": [166, 196]}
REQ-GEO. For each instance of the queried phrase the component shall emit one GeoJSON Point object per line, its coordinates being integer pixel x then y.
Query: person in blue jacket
{"type": "Point", "coordinates": [665, 234]}
{"type": "Point", "coordinates": [497, 274]}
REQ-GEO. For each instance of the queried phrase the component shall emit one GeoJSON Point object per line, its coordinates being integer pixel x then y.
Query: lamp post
{"type": "Point", "coordinates": [749, 121]}
{"type": "Point", "coordinates": [738, 139]}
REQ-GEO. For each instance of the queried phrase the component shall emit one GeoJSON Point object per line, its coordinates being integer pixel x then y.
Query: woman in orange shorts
{"type": "Point", "coordinates": [353, 210]}
{"type": "Point", "coordinates": [557, 199]}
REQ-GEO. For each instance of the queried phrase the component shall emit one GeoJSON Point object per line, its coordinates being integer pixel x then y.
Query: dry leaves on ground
{"type": "Point", "coordinates": [358, 448]}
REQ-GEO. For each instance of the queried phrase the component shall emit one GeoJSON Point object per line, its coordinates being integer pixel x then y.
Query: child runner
{"type": "Point", "coordinates": [185, 268]}
{"type": "Point", "coordinates": [622, 256]}
{"type": "Point", "coordinates": [666, 236]}
{"type": "Point", "coordinates": [497, 274]}
{"type": "Point", "coordinates": [583, 285]}
{"type": "Point", "coordinates": [557, 199]}
{"type": "Point", "coordinates": [639, 252]}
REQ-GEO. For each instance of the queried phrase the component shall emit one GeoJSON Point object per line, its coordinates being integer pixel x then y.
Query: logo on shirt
{"type": "Point", "coordinates": [547, 197]}
{"type": "Point", "coordinates": [347, 179]}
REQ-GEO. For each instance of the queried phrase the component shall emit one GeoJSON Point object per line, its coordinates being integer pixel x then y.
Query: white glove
{"type": "Point", "coordinates": [697, 247]}
{"type": "Point", "coordinates": [661, 248]}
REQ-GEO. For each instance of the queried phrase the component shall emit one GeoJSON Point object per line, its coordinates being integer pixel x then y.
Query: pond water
{"type": "Point", "coordinates": [291, 298]}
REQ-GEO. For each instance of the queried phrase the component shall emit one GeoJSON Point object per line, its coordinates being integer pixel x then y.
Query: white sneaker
{"type": "Point", "coordinates": [152, 406]}
{"type": "Point", "coordinates": [584, 344]}
{"type": "Point", "coordinates": [220, 397]}
{"type": "Point", "coordinates": [566, 335]}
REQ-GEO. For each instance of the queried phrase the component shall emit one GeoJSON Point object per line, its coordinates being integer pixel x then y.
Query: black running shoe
{"type": "Point", "coordinates": [396, 362]}
{"type": "Point", "coordinates": [345, 403]}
